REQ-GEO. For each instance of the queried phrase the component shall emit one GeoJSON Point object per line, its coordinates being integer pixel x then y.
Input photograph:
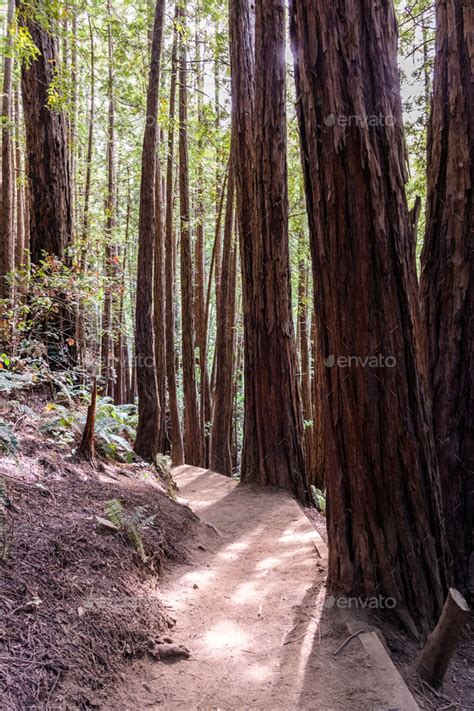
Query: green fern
{"type": "Point", "coordinates": [319, 499]}
{"type": "Point", "coordinates": [114, 512]}
{"type": "Point", "coordinates": [131, 524]}
{"type": "Point", "coordinates": [9, 382]}
{"type": "Point", "coordinates": [8, 440]}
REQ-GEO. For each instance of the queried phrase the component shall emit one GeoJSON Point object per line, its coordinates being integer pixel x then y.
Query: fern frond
{"type": "Point", "coordinates": [114, 512]}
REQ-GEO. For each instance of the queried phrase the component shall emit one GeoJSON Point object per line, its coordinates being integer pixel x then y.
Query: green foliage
{"type": "Point", "coordinates": [319, 499]}
{"type": "Point", "coordinates": [131, 524]}
{"type": "Point", "coordinates": [11, 382]}
{"type": "Point", "coordinates": [8, 440]}
{"type": "Point", "coordinates": [115, 427]}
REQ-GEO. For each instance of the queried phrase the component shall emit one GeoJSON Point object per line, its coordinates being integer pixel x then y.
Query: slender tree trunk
{"type": "Point", "coordinates": [193, 435]}
{"type": "Point", "coordinates": [20, 191]}
{"type": "Point", "coordinates": [177, 452]}
{"type": "Point", "coordinates": [147, 443]}
{"type": "Point", "coordinates": [90, 151]}
{"type": "Point", "coordinates": [81, 335]}
{"type": "Point", "coordinates": [447, 279]}
{"type": "Point", "coordinates": [200, 272]}
{"type": "Point", "coordinates": [273, 427]}
{"type": "Point", "coordinates": [110, 223]}
{"type": "Point", "coordinates": [385, 531]}
{"type": "Point", "coordinates": [159, 302]}
{"type": "Point", "coordinates": [7, 209]}
{"type": "Point", "coordinates": [221, 432]}
{"type": "Point", "coordinates": [305, 367]}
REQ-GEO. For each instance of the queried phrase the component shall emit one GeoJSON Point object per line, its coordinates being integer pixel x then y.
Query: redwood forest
{"type": "Point", "coordinates": [237, 354]}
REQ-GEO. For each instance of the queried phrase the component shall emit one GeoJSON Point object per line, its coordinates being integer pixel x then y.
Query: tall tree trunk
{"type": "Point", "coordinates": [20, 191]}
{"type": "Point", "coordinates": [273, 427]}
{"type": "Point", "coordinates": [47, 150]}
{"type": "Point", "coordinates": [200, 271]}
{"type": "Point", "coordinates": [7, 208]}
{"type": "Point", "coordinates": [159, 301]}
{"type": "Point", "coordinates": [447, 279]}
{"type": "Point", "coordinates": [81, 335]}
{"type": "Point", "coordinates": [50, 215]}
{"type": "Point", "coordinates": [90, 150]}
{"type": "Point", "coordinates": [221, 432]}
{"type": "Point", "coordinates": [177, 452]}
{"type": "Point", "coordinates": [110, 221]}
{"type": "Point", "coordinates": [193, 435]}
{"type": "Point", "coordinates": [385, 531]}
{"type": "Point", "coordinates": [147, 443]}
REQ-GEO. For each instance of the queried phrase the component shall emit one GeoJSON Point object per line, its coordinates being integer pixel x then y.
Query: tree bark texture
{"type": "Point", "coordinates": [193, 435]}
{"type": "Point", "coordinates": [177, 451]}
{"type": "Point", "coordinates": [447, 279]}
{"type": "Point", "coordinates": [384, 523]}
{"type": "Point", "coordinates": [149, 407]}
{"type": "Point", "coordinates": [49, 180]}
{"type": "Point", "coordinates": [273, 426]}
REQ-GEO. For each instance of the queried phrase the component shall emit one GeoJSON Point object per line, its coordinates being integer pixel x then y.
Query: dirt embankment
{"type": "Point", "coordinates": [79, 599]}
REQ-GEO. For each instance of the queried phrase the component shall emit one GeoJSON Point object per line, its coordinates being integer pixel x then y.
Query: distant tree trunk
{"type": "Point", "coordinates": [7, 209]}
{"type": "Point", "coordinates": [111, 257]}
{"type": "Point", "coordinates": [447, 279]}
{"type": "Point", "coordinates": [90, 150]}
{"type": "Point", "coordinates": [177, 452]}
{"type": "Point", "coordinates": [219, 161]}
{"type": "Point", "coordinates": [193, 435]}
{"type": "Point", "coordinates": [81, 335]}
{"type": "Point", "coordinates": [273, 427]}
{"type": "Point", "coordinates": [221, 432]}
{"type": "Point", "coordinates": [86, 449]}
{"type": "Point", "coordinates": [50, 215]}
{"type": "Point", "coordinates": [20, 191]}
{"type": "Point", "coordinates": [159, 302]}
{"type": "Point", "coordinates": [147, 443]}
{"type": "Point", "coordinates": [386, 535]}
{"type": "Point", "coordinates": [305, 367]}
{"type": "Point", "coordinates": [200, 271]}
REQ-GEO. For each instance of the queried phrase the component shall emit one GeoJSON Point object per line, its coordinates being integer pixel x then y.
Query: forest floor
{"type": "Point", "coordinates": [234, 577]}
{"type": "Point", "coordinates": [251, 609]}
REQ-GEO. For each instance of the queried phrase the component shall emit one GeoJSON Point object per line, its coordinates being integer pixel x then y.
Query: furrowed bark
{"type": "Point", "coordinates": [447, 278]}
{"type": "Point", "coordinates": [149, 407]}
{"type": "Point", "coordinates": [385, 530]}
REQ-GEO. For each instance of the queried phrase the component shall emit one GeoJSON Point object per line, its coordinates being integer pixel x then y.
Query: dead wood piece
{"type": "Point", "coordinates": [441, 643]}
{"type": "Point", "coordinates": [170, 651]}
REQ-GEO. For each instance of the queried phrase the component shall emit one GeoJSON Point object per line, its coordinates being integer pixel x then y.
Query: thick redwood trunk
{"type": "Point", "coordinates": [193, 434]}
{"type": "Point", "coordinates": [273, 428]}
{"type": "Point", "coordinates": [384, 523]}
{"type": "Point", "coordinates": [49, 180]}
{"type": "Point", "coordinates": [447, 280]}
{"type": "Point", "coordinates": [149, 410]}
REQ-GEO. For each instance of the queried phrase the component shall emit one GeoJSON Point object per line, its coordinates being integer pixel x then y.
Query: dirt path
{"type": "Point", "coordinates": [251, 611]}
